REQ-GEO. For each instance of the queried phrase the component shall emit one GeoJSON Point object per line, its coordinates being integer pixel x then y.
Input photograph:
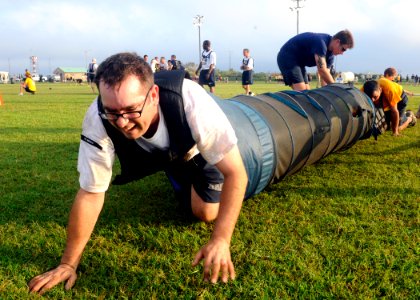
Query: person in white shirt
{"type": "Point", "coordinates": [247, 74]}
{"type": "Point", "coordinates": [93, 66]}
{"type": "Point", "coordinates": [169, 123]}
{"type": "Point", "coordinates": [207, 66]}
{"type": "Point", "coordinates": [154, 64]}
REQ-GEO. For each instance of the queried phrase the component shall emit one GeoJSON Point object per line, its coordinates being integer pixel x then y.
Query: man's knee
{"type": "Point", "coordinates": [202, 210]}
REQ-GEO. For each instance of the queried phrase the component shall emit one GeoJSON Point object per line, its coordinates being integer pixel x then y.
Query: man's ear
{"type": "Point", "coordinates": [154, 93]}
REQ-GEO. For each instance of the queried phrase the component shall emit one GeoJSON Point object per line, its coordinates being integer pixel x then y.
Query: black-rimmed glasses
{"type": "Point", "coordinates": [130, 115]}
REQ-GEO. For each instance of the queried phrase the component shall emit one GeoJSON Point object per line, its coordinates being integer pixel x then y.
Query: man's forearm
{"type": "Point", "coordinates": [230, 207]}
{"type": "Point", "coordinates": [325, 75]}
{"type": "Point", "coordinates": [83, 216]}
{"type": "Point", "coordinates": [233, 193]}
{"type": "Point", "coordinates": [395, 120]}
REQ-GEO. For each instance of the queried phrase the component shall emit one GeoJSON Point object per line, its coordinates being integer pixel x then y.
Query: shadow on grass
{"type": "Point", "coordinates": [400, 148]}
{"type": "Point", "coordinates": [40, 180]}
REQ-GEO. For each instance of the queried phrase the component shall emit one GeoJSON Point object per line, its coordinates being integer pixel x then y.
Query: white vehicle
{"type": "Point", "coordinates": [35, 77]}
{"type": "Point", "coordinates": [54, 78]}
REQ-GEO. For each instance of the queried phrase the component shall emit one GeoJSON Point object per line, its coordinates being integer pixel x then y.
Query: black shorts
{"type": "Point", "coordinates": [206, 179]}
{"type": "Point", "coordinates": [29, 91]}
{"type": "Point", "coordinates": [291, 71]}
{"type": "Point", "coordinates": [204, 81]}
{"type": "Point", "coordinates": [247, 77]}
{"type": "Point", "coordinates": [90, 77]}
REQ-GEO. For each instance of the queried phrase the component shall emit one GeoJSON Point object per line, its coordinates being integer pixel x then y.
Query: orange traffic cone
{"type": "Point", "coordinates": [1, 100]}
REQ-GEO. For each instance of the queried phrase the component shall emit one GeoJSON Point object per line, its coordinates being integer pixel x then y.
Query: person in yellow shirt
{"type": "Point", "coordinates": [394, 100]}
{"type": "Point", "coordinates": [28, 85]}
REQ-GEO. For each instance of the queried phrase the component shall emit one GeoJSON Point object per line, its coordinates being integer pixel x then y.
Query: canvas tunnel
{"type": "Point", "coordinates": [280, 133]}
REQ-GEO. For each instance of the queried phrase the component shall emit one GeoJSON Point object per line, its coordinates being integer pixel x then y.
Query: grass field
{"type": "Point", "coordinates": [346, 227]}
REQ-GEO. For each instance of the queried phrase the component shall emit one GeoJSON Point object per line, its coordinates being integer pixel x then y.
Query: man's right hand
{"type": "Point", "coordinates": [42, 283]}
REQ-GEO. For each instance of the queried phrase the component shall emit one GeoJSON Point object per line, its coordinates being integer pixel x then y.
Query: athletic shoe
{"type": "Point", "coordinates": [251, 94]}
{"type": "Point", "coordinates": [413, 121]}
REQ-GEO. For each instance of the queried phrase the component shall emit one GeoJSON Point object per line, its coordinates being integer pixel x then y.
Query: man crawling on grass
{"type": "Point", "coordinates": [172, 125]}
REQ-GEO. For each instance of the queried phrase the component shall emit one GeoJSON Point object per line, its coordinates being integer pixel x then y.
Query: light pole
{"type": "Point", "coordinates": [197, 21]}
{"type": "Point", "coordinates": [297, 7]}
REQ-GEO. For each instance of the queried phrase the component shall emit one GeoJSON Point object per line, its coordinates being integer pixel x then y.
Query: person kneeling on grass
{"type": "Point", "coordinates": [152, 126]}
{"type": "Point", "coordinates": [28, 85]}
{"type": "Point", "coordinates": [392, 98]}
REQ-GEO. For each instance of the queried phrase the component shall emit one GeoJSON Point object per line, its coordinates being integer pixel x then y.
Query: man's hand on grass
{"type": "Point", "coordinates": [42, 283]}
{"type": "Point", "coordinates": [216, 256]}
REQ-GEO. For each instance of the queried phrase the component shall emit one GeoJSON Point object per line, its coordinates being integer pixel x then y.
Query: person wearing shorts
{"type": "Point", "coordinates": [93, 66]}
{"type": "Point", "coordinates": [153, 123]}
{"type": "Point", "coordinates": [207, 66]}
{"type": "Point", "coordinates": [247, 74]}
{"type": "Point", "coordinates": [308, 50]}
{"type": "Point", "coordinates": [28, 85]}
{"type": "Point", "coordinates": [392, 98]}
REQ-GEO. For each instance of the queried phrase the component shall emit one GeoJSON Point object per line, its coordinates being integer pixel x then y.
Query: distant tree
{"type": "Point", "coordinates": [190, 67]}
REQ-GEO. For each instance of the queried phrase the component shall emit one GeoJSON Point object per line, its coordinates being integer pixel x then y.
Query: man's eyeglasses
{"type": "Point", "coordinates": [130, 115]}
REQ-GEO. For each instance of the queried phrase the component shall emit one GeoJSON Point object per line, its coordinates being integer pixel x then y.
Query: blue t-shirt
{"type": "Point", "coordinates": [301, 49]}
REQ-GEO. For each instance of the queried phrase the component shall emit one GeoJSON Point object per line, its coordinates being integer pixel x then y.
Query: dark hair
{"type": "Point", "coordinates": [370, 86]}
{"type": "Point", "coordinates": [345, 37]}
{"type": "Point", "coordinates": [390, 72]}
{"type": "Point", "coordinates": [117, 67]}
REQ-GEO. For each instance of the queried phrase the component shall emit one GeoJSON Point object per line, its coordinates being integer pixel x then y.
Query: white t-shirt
{"type": "Point", "coordinates": [153, 64]}
{"type": "Point", "coordinates": [209, 126]}
{"type": "Point", "coordinates": [208, 58]}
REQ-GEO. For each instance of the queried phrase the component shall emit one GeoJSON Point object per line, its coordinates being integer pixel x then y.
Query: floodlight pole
{"type": "Point", "coordinates": [297, 7]}
{"type": "Point", "coordinates": [198, 21]}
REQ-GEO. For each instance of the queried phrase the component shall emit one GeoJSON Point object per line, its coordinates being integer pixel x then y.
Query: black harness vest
{"type": "Point", "coordinates": [136, 162]}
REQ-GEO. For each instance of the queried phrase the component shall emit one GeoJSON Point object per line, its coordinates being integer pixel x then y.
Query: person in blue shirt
{"type": "Point", "coordinates": [308, 50]}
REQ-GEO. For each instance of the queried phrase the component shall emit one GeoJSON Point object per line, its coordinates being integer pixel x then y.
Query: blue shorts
{"type": "Point", "coordinates": [247, 77]}
{"type": "Point", "coordinates": [206, 179]}
{"type": "Point", "coordinates": [202, 80]}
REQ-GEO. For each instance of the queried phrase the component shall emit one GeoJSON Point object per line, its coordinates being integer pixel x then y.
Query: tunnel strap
{"type": "Point", "coordinates": [289, 104]}
{"type": "Point", "coordinates": [310, 99]}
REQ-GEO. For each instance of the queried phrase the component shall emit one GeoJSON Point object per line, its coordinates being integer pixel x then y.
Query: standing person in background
{"type": "Point", "coordinates": [154, 64]}
{"type": "Point", "coordinates": [247, 74]}
{"type": "Point", "coordinates": [207, 66]}
{"type": "Point", "coordinates": [146, 58]}
{"type": "Point", "coordinates": [163, 65]}
{"type": "Point", "coordinates": [28, 85]}
{"type": "Point", "coordinates": [91, 72]}
{"type": "Point", "coordinates": [308, 50]}
{"type": "Point", "coordinates": [176, 64]}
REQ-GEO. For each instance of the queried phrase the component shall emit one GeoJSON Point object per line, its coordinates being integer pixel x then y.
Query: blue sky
{"type": "Point", "coordinates": [70, 33]}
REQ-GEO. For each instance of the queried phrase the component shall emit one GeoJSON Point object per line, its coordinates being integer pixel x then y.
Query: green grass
{"type": "Point", "coordinates": [346, 227]}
